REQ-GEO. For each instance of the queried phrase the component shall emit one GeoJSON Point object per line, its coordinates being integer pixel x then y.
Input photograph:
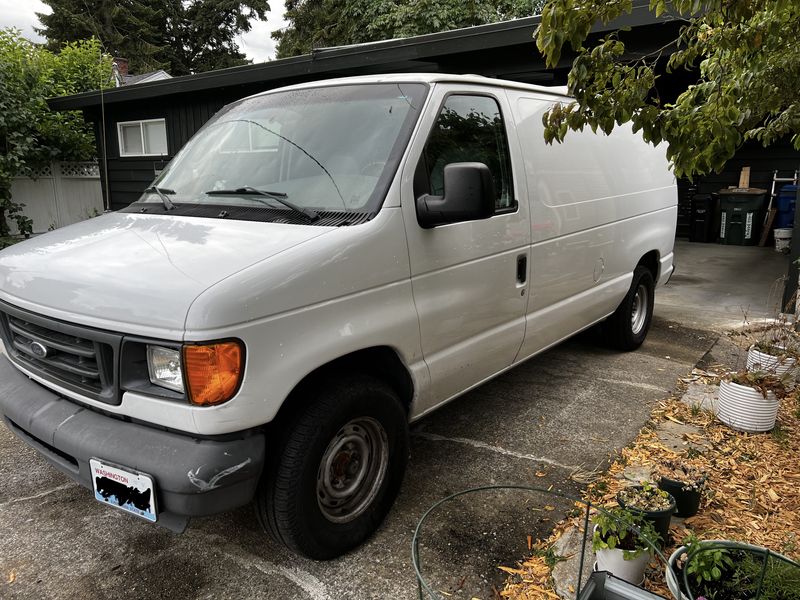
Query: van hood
{"type": "Point", "coordinates": [137, 273]}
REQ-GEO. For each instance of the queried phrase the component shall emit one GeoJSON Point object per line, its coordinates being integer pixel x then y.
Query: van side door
{"type": "Point", "coordinates": [470, 278]}
{"type": "Point", "coordinates": [594, 200]}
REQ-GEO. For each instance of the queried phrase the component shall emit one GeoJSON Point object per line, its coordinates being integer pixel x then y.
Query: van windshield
{"type": "Point", "coordinates": [323, 149]}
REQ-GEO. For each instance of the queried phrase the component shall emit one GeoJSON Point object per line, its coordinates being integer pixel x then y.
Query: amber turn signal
{"type": "Point", "coordinates": [213, 372]}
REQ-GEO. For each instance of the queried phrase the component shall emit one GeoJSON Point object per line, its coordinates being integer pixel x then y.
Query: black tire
{"type": "Point", "coordinates": [291, 502]}
{"type": "Point", "coordinates": [622, 330]}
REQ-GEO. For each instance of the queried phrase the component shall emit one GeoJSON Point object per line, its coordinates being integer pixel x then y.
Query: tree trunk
{"type": "Point", "coordinates": [4, 231]}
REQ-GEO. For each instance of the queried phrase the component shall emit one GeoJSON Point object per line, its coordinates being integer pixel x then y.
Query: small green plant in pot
{"type": "Point", "coordinates": [623, 542]}
{"type": "Point", "coordinates": [723, 570]}
{"type": "Point", "coordinates": [685, 483]}
{"type": "Point", "coordinates": [652, 503]}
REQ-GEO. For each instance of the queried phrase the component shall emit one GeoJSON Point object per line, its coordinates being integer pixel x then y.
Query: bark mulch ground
{"type": "Point", "coordinates": [753, 488]}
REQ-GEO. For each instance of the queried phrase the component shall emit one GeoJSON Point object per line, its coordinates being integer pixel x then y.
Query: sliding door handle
{"type": "Point", "coordinates": [522, 268]}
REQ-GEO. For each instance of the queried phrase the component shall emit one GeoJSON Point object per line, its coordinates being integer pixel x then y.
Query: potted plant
{"type": "Point", "coordinates": [653, 504]}
{"type": "Point", "coordinates": [622, 542]}
{"type": "Point", "coordinates": [748, 400]}
{"type": "Point", "coordinates": [773, 357]}
{"type": "Point", "coordinates": [685, 483]}
{"type": "Point", "coordinates": [724, 570]}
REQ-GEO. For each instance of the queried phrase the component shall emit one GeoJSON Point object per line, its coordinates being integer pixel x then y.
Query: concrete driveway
{"type": "Point", "coordinates": [558, 415]}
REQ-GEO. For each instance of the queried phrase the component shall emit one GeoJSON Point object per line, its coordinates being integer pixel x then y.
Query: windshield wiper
{"type": "Point", "coordinates": [299, 147]}
{"type": "Point", "coordinates": [277, 196]}
{"type": "Point", "coordinates": [162, 193]}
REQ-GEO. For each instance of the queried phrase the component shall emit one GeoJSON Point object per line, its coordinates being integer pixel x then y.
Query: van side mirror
{"type": "Point", "coordinates": [468, 195]}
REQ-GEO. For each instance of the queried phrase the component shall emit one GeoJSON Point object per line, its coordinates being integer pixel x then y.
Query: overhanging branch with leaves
{"type": "Point", "coordinates": [744, 54]}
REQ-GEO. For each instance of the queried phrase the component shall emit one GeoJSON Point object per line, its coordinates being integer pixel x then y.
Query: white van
{"type": "Point", "coordinates": [318, 266]}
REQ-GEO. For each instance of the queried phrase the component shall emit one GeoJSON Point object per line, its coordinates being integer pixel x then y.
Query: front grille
{"type": "Point", "coordinates": [76, 358]}
{"type": "Point", "coordinates": [69, 358]}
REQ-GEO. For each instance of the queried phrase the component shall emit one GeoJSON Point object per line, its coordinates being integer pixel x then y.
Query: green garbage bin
{"type": "Point", "coordinates": [741, 215]}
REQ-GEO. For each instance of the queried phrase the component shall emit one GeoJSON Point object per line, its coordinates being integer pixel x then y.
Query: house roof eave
{"type": "Point", "coordinates": [328, 60]}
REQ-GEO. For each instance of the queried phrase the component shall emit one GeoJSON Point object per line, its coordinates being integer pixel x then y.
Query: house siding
{"type": "Point", "coordinates": [762, 162]}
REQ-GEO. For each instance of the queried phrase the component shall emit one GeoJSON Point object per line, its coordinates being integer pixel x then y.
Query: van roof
{"type": "Point", "coordinates": [478, 80]}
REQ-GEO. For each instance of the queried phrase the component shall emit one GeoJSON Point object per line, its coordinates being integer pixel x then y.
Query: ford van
{"type": "Point", "coordinates": [318, 267]}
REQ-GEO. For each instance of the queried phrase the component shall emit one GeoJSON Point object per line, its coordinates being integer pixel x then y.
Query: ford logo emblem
{"type": "Point", "coordinates": [39, 350]}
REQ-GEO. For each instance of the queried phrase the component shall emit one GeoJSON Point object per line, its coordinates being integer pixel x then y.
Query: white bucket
{"type": "Point", "coordinates": [745, 409]}
{"type": "Point", "coordinates": [613, 561]}
{"type": "Point", "coordinates": [760, 361]}
{"type": "Point", "coordinates": [783, 238]}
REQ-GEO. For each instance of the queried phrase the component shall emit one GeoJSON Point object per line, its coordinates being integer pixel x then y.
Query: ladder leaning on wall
{"type": "Point", "coordinates": [769, 217]}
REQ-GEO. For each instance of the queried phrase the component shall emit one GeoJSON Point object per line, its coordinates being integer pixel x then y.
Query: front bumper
{"type": "Point", "coordinates": [193, 477]}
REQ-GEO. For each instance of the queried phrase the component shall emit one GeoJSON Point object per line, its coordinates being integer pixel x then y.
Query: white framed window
{"type": "Point", "coordinates": [142, 138]}
{"type": "Point", "coordinates": [252, 136]}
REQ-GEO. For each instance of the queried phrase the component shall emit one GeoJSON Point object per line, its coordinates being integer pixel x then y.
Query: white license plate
{"type": "Point", "coordinates": [132, 492]}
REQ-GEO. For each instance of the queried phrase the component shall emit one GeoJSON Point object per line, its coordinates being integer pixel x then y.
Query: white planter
{"type": "Point", "coordinates": [745, 409]}
{"type": "Point", "coordinates": [613, 561]}
{"type": "Point", "coordinates": [761, 361]}
{"type": "Point", "coordinates": [783, 239]}
{"type": "Point", "coordinates": [672, 577]}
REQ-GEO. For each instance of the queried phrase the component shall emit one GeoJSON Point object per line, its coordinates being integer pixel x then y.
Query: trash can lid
{"type": "Point", "coordinates": [742, 191]}
{"type": "Point", "coordinates": [788, 189]}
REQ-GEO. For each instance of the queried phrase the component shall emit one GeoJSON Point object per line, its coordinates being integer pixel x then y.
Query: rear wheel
{"type": "Point", "coordinates": [338, 469]}
{"type": "Point", "coordinates": [627, 328]}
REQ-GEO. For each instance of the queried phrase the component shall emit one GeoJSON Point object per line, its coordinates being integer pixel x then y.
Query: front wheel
{"type": "Point", "coordinates": [337, 470]}
{"type": "Point", "coordinates": [627, 328]}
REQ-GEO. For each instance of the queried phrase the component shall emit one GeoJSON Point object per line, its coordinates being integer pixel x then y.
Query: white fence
{"type": "Point", "coordinates": [59, 195]}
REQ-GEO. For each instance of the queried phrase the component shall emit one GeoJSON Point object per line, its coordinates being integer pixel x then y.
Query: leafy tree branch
{"type": "Point", "coordinates": [744, 54]}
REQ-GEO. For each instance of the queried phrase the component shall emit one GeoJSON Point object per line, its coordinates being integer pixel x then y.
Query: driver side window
{"type": "Point", "coordinates": [468, 129]}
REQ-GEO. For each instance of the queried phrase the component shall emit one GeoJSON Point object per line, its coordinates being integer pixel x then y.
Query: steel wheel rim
{"type": "Point", "coordinates": [352, 470]}
{"type": "Point", "coordinates": [639, 310]}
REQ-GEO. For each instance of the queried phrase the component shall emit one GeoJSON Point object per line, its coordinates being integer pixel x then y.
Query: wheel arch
{"type": "Point", "coordinates": [382, 362]}
{"type": "Point", "coordinates": [652, 262]}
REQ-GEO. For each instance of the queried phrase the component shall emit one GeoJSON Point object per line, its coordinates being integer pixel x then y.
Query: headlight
{"type": "Point", "coordinates": [164, 367]}
{"type": "Point", "coordinates": [213, 371]}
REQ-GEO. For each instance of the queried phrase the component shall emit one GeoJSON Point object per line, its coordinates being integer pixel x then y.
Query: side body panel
{"type": "Point", "coordinates": [599, 203]}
